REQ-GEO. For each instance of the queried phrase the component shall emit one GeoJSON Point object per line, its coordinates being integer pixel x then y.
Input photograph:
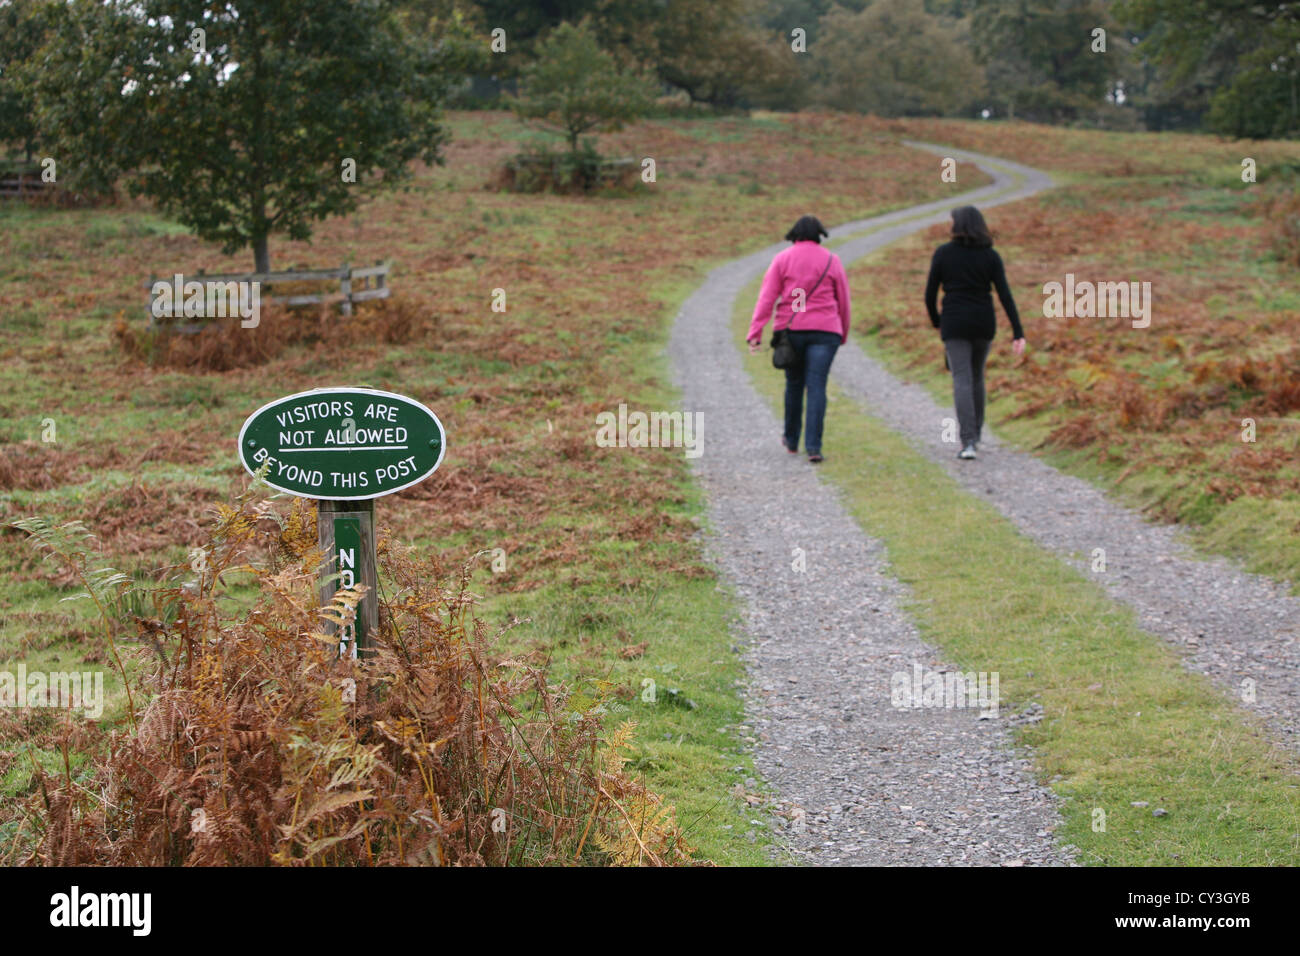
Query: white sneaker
{"type": "Point", "coordinates": [967, 453]}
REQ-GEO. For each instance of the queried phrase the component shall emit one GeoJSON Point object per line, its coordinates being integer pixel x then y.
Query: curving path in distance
{"type": "Point", "coordinates": [863, 782]}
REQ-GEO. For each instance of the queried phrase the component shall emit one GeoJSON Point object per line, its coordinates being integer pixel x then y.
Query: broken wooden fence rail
{"type": "Point", "coordinates": [355, 285]}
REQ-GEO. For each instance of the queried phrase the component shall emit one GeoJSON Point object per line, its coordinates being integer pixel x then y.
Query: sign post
{"type": "Point", "coordinates": [345, 447]}
{"type": "Point", "coordinates": [345, 531]}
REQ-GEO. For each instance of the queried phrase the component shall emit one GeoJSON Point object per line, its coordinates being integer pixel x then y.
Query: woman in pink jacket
{"type": "Point", "coordinates": [810, 291]}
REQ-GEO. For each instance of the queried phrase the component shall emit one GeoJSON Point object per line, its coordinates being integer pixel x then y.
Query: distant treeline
{"type": "Point", "coordinates": [1227, 66]}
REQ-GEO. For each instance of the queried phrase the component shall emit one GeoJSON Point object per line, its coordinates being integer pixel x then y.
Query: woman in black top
{"type": "Point", "coordinates": [966, 267]}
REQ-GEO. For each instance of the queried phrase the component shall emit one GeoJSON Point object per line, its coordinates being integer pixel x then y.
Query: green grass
{"type": "Point", "coordinates": [688, 743]}
{"type": "Point", "coordinates": [1123, 720]}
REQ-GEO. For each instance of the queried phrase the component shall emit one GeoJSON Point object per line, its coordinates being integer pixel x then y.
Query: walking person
{"type": "Point", "coordinates": [966, 267]}
{"type": "Point", "coordinates": [806, 293]}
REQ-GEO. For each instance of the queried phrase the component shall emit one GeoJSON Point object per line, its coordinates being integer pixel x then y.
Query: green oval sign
{"type": "Point", "coordinates": [343, 443]}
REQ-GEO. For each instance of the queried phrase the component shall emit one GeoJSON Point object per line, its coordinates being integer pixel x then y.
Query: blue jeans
{"type": "Point", "coordinates": [816, 351]}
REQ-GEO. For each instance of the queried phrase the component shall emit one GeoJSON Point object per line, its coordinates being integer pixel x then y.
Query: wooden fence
{"type": "Point", "coordinates": [16, 182]}
{"type": "Point", "coordinates": [355, 285]}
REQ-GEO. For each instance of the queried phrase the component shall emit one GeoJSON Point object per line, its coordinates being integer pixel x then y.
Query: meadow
{"type": "Point", "coordinates": [604, 579]}
{"type": "Point", "coordinates": [602, 570]}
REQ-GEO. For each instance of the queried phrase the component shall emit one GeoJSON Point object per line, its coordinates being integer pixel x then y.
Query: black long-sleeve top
{"type": "Point", "coordinates": [966, 273]}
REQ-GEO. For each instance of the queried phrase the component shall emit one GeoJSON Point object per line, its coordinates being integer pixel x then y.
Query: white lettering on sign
{"type": "Point", "coordinates": [307, 413]}
{"type": "Point", "coordinates": [347, 567]}
{"type": "Point", "coordinates": [400, 470]}
{"type": "Point", "coordinates": [306, 443]}
{"type": "Point", "coordinates": [347, 436]}
{"type": "Point", "coordinates": [294, 473]}
{"type": "Point", "coordinates": [393, 439]}
{"type": "Point", "coordinates": [350, 479]}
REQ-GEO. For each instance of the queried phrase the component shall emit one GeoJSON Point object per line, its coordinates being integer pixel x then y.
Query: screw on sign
{"type": "Point", "coordinates": [345, 447]}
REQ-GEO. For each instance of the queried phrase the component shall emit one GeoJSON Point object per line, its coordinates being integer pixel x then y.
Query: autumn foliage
{"type": "Point", "coordinates": [254, 744]}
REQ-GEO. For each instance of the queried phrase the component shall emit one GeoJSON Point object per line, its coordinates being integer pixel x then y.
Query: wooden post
{"type": "Point", "coordinates": [345, 531]}
{"type": "Point", "coordinates": [346, 284]}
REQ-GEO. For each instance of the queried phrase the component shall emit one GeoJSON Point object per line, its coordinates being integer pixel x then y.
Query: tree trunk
{"type": "Point", "coordinates": [261, 254]}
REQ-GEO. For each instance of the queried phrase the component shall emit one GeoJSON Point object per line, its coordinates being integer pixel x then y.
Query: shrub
{"type": "Point", "coordinates": [227, 345]}
{"type": "Point", "coordinates": [544, 170]}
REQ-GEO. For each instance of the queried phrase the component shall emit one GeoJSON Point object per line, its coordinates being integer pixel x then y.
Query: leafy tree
{"type": "Point", "coordinates": [716, 51]}
{"type": "Point", "coordinates": [525, 22]}
{"type": "Point", "coordinates": [1239, 57]}
{"type": "Point", "coordinates": [895, 59]}
{"type": "Point", "coordinates": [22, 31]}
{"type": "Point", "coordinates": [783, 16]}
{"type": "Point", "coordinates": [1169, 102]}
{"type": "Point", "coordinates": [83, 87]}
{"type": "Point", "coordinates": [1038, 56]}
{"type": "Point", "coordinates": [241, 131]}
{"type": "Point", "coordinates": [1263, 101]}
{"type": "Point", "coordinates": [575, 87]}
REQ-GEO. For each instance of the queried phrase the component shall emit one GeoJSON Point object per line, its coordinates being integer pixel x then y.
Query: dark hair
{"type": "Point", "coordinates": [808, 227]}
{"type": "Point", "coordinates": [969, 227]}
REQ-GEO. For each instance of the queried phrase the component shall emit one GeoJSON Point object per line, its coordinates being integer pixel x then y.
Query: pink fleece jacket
{"type": "Point", "coordinates": [797, 268]}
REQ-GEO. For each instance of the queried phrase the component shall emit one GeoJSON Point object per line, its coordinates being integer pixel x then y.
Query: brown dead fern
{"type": "Point", "coordinates": [256, 745]}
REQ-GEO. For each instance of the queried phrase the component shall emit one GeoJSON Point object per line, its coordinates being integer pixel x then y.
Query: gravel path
{"type": "Point", "coordinates": [1242, 630]}
{"type": "Point", "coordinates": [859, 781]}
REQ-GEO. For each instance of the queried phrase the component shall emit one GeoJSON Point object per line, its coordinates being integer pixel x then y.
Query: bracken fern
{"type": "Point", "coordinates": [254, 744]}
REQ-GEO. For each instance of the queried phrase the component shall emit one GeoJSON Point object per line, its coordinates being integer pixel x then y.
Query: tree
{"type": "Point", "coordinates": [22, 30]}
{"type": "Point", "coordinates": [1263, 101]}
{"type": "Point", "coordinates": [895, 59]}
{"type": "Point", "coordinates": [718, 51]}
{"type": "Point", "coordinates": [247, 127]}
{"type": "Point", "coordinates": [575, 87]}
{"type": "Point", "coordinates": [782, 16]}
{"type": "Point", "coordinates": [1039, 58]}
{"type": "Point", "coordinates": [1239, 57]}
{"type": "Point", "coordinates": [525, 22]}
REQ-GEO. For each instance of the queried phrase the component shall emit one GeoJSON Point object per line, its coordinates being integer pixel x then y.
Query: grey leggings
{"type": "Point", "coordinates": [966, 359]}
